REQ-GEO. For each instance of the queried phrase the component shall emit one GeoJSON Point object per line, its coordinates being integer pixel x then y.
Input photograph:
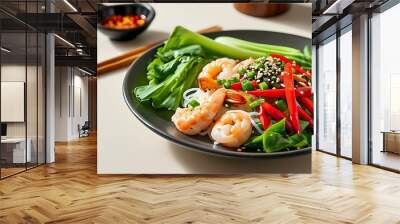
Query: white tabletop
{"type": "Point", "coordinates": [126, 146]}
{"type": "Point", "coordinates": [13, 140]}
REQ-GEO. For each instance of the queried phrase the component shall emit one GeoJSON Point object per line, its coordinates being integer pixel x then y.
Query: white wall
{"type": "Point", "coordinates": [13, 101]}
{"type": "Point", "coordinates": [62, 82]}
{"type": "Point", "coordinates": [71, 94]}
{"type": "Point", "coordinates": [80, 108]}
{"type": "Point", "coordinates": [12, 73]}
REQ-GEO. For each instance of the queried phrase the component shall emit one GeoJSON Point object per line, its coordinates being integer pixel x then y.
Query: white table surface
{"type": "Point", "coordinates": [12, 140]}
{"type": "Point", "coordinates": [19, 148]}
{"type": "Point", "coordinates": [126, 146]}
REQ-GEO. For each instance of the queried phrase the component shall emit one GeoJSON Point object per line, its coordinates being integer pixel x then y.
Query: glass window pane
{"type": "Point", "coordinates": [327, 96]}
{"type": "Point", "coordinates": [385, 84]}
{"type": "Point", "coordinates": [14, 153]}
{"type": "Point", "coordinates": [346, 94]}
{"type": "Point", "coordinates": [22, 87]}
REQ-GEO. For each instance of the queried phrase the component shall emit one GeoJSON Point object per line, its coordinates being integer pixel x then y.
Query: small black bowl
{"type": "Point", "coordinates": [105, 12]}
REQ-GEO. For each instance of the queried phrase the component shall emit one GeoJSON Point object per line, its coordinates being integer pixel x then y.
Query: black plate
{"type": "Point", "coordinates": [160, 121]}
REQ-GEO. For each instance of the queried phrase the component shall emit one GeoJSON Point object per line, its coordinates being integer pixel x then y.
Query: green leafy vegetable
{"type": "Point", "coordinates": [169, 93]}
{"type": "Point", "coordinates": [303, 124]}
{"type": "Point", "coordinates": [275, 138]}
{"type": "Point", "coordinates": [191, 50]}
{"type": "Point", "coordinates": [301, 58]}
{"type": "Point", "coordinates": [273, 142]}
{"type": "Point", "coordinates": [281, 104]}
{"type": "Point", "coordinates": [158, 70]}
{"type": "Point", "coordinates": [278, 127]}
{"type": "Point", "coordinates": [182, 37]}
{"type": "Point", "coordinates": [300, 140]}
{"type": "Point", "coordinates": [307, 52]}
{"type": "Point", "coordinates": [255, 142]}
{"type": "Point", "coordinates": [256, 46]}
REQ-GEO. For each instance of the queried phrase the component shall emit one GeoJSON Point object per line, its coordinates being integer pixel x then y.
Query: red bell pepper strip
{"type": "Point", "coordinates": [280, 93]}
{"type": "Point", "coordinates": [271, 93]}
{"type": "Point", "coordinates": [286, 60]}
{"type": "Point", "coordinates": [264, 119]}
{"type": "Point", "coordinates": [299, 79]}
{"type": "Point", "coordinates": [307, 103]}
{"type": "Point", "coordinates": [280, 57]}
{"type": "Point", "coordinates": [304, 91]}
{"type": "Point", "coordinates": [291, 97]}
{"type": "Point", "coordinates": [238, 85]}
{"type": "Point", "coordinates": [254, 83]}
{"type": "Point", "coordinates": [276, 114]}
{"type": "Point", "coordinates": [305, 116]}
{"type": "Point", "coordinates": [299, 69]}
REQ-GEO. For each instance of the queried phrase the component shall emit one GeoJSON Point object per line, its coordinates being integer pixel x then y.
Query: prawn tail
{"type": "Point", "coordinates": [207, 83]}
{"type": "Point", "coordinates": [235, 97]}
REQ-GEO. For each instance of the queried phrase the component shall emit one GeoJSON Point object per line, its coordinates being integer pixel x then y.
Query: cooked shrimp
{"type": "Point", "coordinates": [232, 129]}
{"type": "Point", "coordinates": [218, 69]}
{"type": "Point", "coordinates": [192, 121]}
{"type": "Point", "coordinates": [242, 64]}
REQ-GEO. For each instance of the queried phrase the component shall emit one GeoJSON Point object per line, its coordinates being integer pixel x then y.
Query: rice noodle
{"type": "Point", "coordinates": [194, 93]}
{"type": "Point", "coordinates": [256, 126]}
{"type": "Point", "coordinates": [185, 102]}
{"type": "Point", "coordinates": [241, 111]}
{"type": "Point", "coordinates": [189, 92]}
{"type": "Point", "coordinates": [255, 113]}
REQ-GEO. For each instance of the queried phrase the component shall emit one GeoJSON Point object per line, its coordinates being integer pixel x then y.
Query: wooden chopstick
{"type": "Point", "coordinates": [127, 58]}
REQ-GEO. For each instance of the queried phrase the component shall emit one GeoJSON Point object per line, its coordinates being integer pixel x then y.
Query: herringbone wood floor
{"type": "Point", "coordinates": [69, 191]}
